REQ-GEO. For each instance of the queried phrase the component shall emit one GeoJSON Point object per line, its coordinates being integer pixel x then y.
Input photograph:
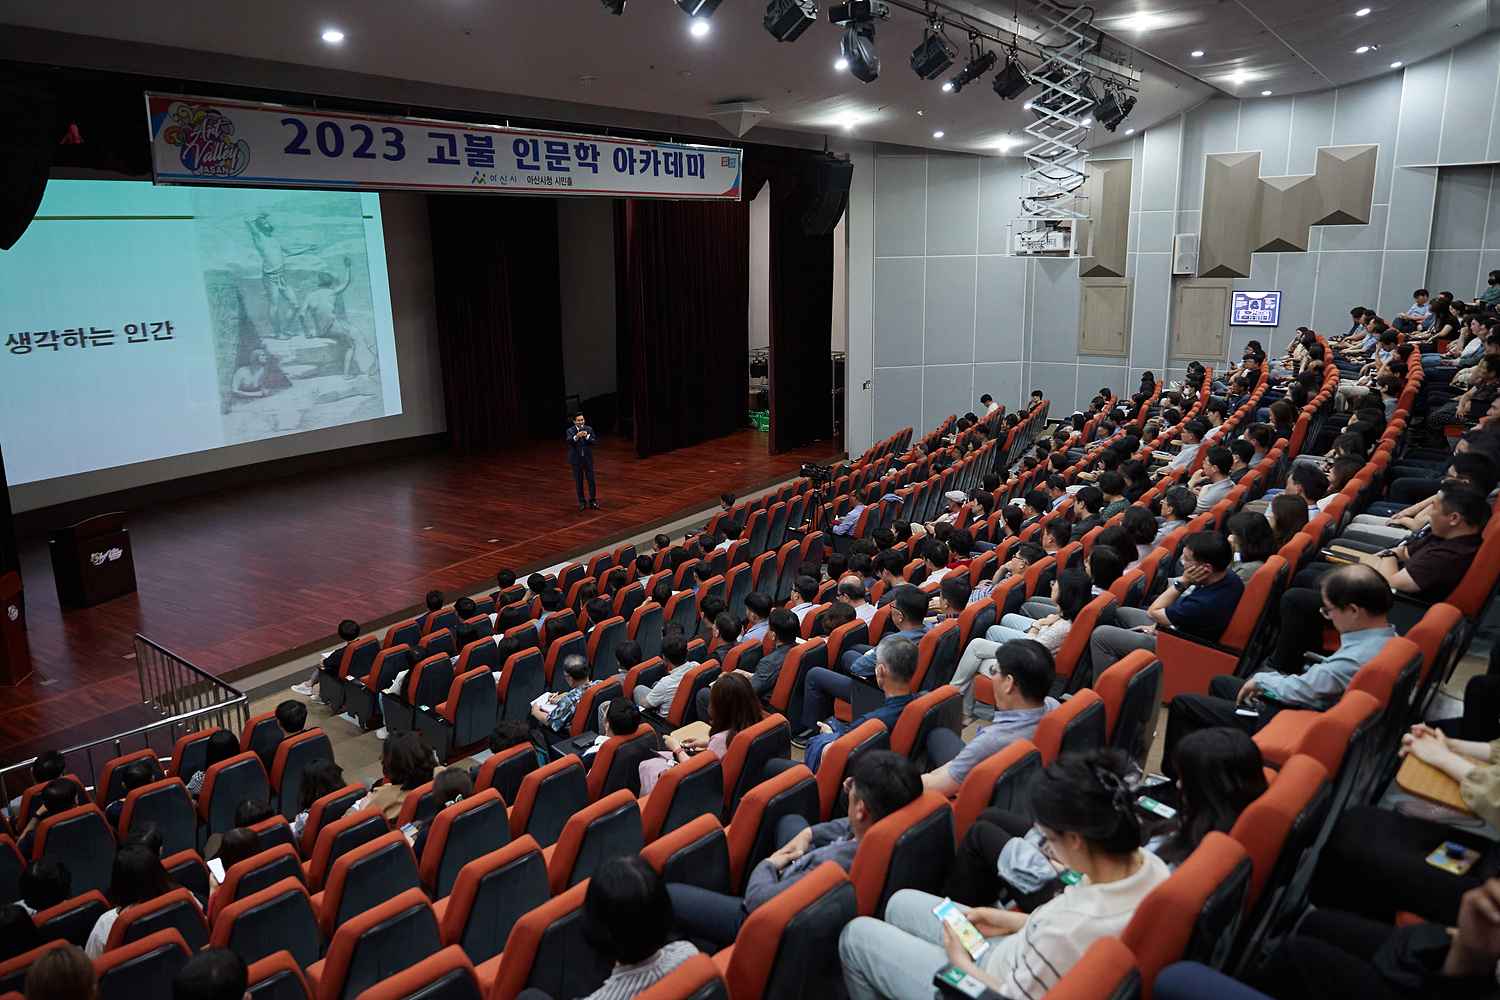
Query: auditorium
{"type": "Point", "coordinates": [739, 499]}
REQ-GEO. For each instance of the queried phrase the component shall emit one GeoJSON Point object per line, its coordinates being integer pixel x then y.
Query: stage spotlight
{"type": "Point", "coordinates": [932, 57]}
{"type": "Point", "coordinates": [858, 49]}
{"type": "Point", "coordinates": [615, 7]}
{"type": "Point", "coordinates": [1011, 82]}
{"type": "Point", "coordinates": [786, 20]}
{"type": "Point", "coordinates": [1113, 108]}
{"type": "Point", "coordinates": [855, 12]}
{"type": "Point", "coordinates": [973, 70]}
{"type": "Point", "coordinates": [698, 8]}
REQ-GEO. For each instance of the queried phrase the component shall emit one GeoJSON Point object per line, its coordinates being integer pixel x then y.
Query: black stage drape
{"type": "Point", "coordinates": [801, 299]}
{"type": "Point", "coordinates": [687, 286]}
{"type": "Point", "coordinates": [495, 279]}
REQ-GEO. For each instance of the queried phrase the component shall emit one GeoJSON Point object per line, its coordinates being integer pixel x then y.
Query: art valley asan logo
{"type": "Point", "coordinates": [100, 558]}
{"type": "Point", "coordinates": [205, 140]}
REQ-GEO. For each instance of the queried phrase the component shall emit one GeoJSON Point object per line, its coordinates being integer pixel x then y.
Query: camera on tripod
{"type": "Point", "coordinates": [818, 474]}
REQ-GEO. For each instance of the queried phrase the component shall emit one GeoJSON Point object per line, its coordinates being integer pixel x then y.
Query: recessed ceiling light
{"type": "Point", "coordinates": [947, 86]}
{"type": "Point", "coordinates": [1196, 53]}
{"type": "Point", "coordinates": [1087, 123]}
{"type": "Point", "coordinates": [1265, 93]}
{"type": "Point", "coordinates": [1007, 143]}
{"type": "Point", "coordinates": [1026, 106]}
{"type": "Point", "coordinates": [699, 27]}
{"type": "Point", "coordinates": [939, 134]}
{"type": "Point", "coordinates": [921, 113]}
{"type": "Point", "coordinates": [841, 64]}
{"type": "Point", "coordinates": [1362, 12]}
{"type": "Point", "coordinates": [1238, 77]}
{"type": "Point", "coordinates": [1130, 131]}
{"type": "Point", "coordinates": [1396, 64]}
{"type": "Point", "coordinates": [333, 36]}
{"type": "Point", "coordinates": [1362, 50]}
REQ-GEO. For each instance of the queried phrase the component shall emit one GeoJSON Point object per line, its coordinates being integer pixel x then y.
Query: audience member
{"type": "Point", "coordinates": [1021, 679]}
{"type": "Point", "coordinates": [212, 974]}
{"type": "Point", "coordinates": [138, 876]}
{"type": "Point", "coordinates": [406, 764]}
{"type": "Point", "coordinates": [732, 708]}
{"type": "Point", "coordinates": [895, 666]}
{"type": "Point", "coordinates": [62, 973]}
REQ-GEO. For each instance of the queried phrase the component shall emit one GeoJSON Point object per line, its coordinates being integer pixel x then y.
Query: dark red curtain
{"type": "Point", "coordinates": [686, 312]}
{"type": "Point", "coordinates": [801, 312]}
{"type": "Point", "coordinates": [495, 279]}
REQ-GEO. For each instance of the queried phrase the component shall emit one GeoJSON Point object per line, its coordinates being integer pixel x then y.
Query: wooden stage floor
{"type": "Point", "coordinates": [236, 580]}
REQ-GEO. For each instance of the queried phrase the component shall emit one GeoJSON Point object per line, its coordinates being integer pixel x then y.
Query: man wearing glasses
{"type": "Point", "coordinates": [1356, 600]}
{"type": "Point", "coordinates": [882, 782]}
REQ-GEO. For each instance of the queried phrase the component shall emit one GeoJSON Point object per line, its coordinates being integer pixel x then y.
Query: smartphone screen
{"type": "Point", "coordinates": [968, 935]}
{"type": "Point", "coordinates": [1456, 859]}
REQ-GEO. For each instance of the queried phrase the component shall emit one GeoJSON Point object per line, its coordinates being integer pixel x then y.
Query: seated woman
{"type": "Point", "coordinates": [1219, 773]}
{"type": "Point", "coordinates": [450, 787]}
{"type": "Point", "coordinates": [222, 745]}
{"type": "Point", "coordinates": [406, 763]}
{"type": "Point", "coordinates": [1287, 516]}
{"type": "Point", "coordinates": [1253, 541]}
{"type": "Point", "coordinates": [627, 915]}
{"type": "Point", "coordinates": [732, 708]}
{"type": "Point", "coordinates": [235, 846]}
{"type": "Point", "coordinates": [1367, 838]}
{"type": "Point", "coordinates": [138, 876]}
{"type": "Point", "coordinates": [1088, 820]}
{"type": "Point", "coordinates": [1071, 591]}
{"type": "Point", "coordinates": [319, 778]}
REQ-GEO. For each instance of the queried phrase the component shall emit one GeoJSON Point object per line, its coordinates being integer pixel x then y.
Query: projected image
{"type": "Point", "coordinates": [141, 322]}
{"type": "Point", "coordinates": [286, 277]}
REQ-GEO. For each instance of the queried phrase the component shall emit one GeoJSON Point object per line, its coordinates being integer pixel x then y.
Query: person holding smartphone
{"type": "Point", "coordinates": [1090, 827]}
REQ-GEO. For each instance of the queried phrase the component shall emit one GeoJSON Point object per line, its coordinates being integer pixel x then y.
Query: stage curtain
{"type": "Point", "coordinates": [687, 281]}
{"type": "Point", "coordinates": [801, 313]}
{"type": "Point", "coordinates": [495, 280]}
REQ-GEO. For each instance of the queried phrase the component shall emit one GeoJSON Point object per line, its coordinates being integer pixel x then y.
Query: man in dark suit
{"type": "Point", "coordinates": [581, 440]}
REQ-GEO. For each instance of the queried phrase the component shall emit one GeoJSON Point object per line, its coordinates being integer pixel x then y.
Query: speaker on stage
{"type": "Point", "coordinates": [15, 653]}
{"type": "Point", "coordinates": [828, 180]}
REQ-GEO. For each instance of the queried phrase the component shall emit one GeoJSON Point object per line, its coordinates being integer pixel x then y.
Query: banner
{"type": "Point", "coordinates": [196, 140]}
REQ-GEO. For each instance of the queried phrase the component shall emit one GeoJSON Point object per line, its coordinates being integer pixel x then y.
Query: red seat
{"type": "Point", "coordinates": [522, 680]}
{"type": "Point", "coordinates": [752, 833]}
{"type": "Point", "coordinates": [911, 848]}
{"type": "Point", "coordinates": [1076, 725]}
{"type": "Point", "coordinates": [374, 945]}
{"type": "Point", "coordinates": [81, 839]}
{"type": "Point", "coordinates": [696, 853]}
{"type": "Point", "coordinates": [490, 895]}
{"type": "Point", "coordinates": [1189, 662]}
{"type": "Point", "coordinates": [1002, 779]}
{"type": "Point", "coordinates": [293, 755]}
{"type": "Point", "coordinates": [279, 917]}
{"type": "Point", "coordinates": [696, 979]}
{"type": "Point", "coordinates": [72, 920]}
{"type": "Point", "coordinates": [939, 709]}
{"type": "Point", "coordinates": [1131, 692]}
{"type": "Point", "coordinates": [227, 784]}
{"type": "Point", "coordinates": [13, 972]}
{"type": "Point", "coordinates": [325, 810]}
{"type": "Point", "coordinates": [110, 786]}
{"type": "Point", "coordinates": [339, 838]}
{"type": "Point", "coordinates": [608, 828]}
{"type": "Point", "coordinates": [1278, 829]}
{"type": "Point", "coordinates": [547, 949]}
{"type": "Point", "coordinates": [446, 975]}
{"type": "Point", "coordinates": [838, 761]}
{"type": "Point", "coordinates": [468, 829]}
{"type": "Point", "coordinates": [189, 753]}
{"type": "Point", "coordinates": [166, 805]}
{"type": "Point", "coordinates": [692, 788]}
{"type": "Point", "coordinates": [143, 968]}
{"type": "Point", "coordinates": [177, 910]}
{"type": "Point", "coordinates": [1107, 971]}
{"type": "Point", "coordinates": [364, 878]}
{"type": "Point", "coordinates": [784, 945]}
{"type": "Point", "coordinates": [505, 770]}
{"type": "Point", "coordinates": [745, 760]}
{"type": "Point", "coordinates": [547, 797]}
{"type": "Point", "coordinates": [257, 872]}
{"type": "Point", "coordinates": [278, 977]}
{"type": "Point", "coordinates": [464, 719]}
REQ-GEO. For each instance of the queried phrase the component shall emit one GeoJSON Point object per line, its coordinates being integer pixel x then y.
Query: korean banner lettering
{"type": "Point", "coordinates": [225, 142]}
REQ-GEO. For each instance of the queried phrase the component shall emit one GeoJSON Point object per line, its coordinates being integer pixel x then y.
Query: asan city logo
{"type": "Point", "coordinates": [206, 142]}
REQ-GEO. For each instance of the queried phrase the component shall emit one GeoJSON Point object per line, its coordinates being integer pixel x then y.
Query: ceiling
{"type": "Point", "coordinates": [646, 60]}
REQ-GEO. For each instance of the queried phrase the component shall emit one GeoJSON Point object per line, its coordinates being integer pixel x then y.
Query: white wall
{"type": "Point", "coordinates": [760, 269]}
{"type": "Point", "coordinates": [409, 256]}
{"type": "Point", "coordinates": [841, 284]}
{"type": "Point", "coordinates": [586, 272]}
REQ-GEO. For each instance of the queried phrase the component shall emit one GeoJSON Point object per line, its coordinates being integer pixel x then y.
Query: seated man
{"type": "Point", "coordinates": [1356, 600]}
{"type": "Point", "coordinates": [291, 719]}
{"type": "Point", "coordinates": [136, 774]}
{"type": "Point", "coordinates": [1200, 603]}
{"type": "Point", "coordinates": [552, 602]}
{"type": "Point", "coordinates": [1192, 440]}
{"type": "Point", "coordinates": [851, 591]}
{"type": "Point", "coordinates": [908, 609]}
{"type": "Point", "coordinates": [1024, 673]}
{"type": "Point", "coordinates": [757, 611]}
{"type": "Point", "coordinates": [1212, 478]}
{"type": "Point", "coordinates": [895, 665]}
{"type": "Point", "coordinates": [552, 713]}
{"type": "Point", "coordinates": [882, 782]}
{"type": "Point", "coordinates": [659, 696]}
{"type": "Point", "coordinates": [788, 633]}
{"type": "Point", "coordinates": [1177, 506]}
{"type": "Point", "coordinates": [806, 589]}
{"type": "Point", "coordinates": [348, 632]}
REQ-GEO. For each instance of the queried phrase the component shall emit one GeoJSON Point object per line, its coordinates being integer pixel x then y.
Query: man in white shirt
{"type": "Point", "coordinates": [757, 610]}
{"type": "Point", "coordinates": [1212, 480]}
{"type": "Point", "coordinates": [935, 554]}
{"type": "Point", "coordinates": [990, 406]}
{"type": "Point", "coordinates": [659, 695]}
{"type": "Point", "coordinates": [851, 591]}
{"type": "Point", "coordinates": [1192, 440]}
{"type": "Point", "coordinates": [807, 593]}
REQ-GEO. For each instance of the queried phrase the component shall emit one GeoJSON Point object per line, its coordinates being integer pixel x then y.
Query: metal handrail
{"type": "Point", "coordinates": [188, 697]}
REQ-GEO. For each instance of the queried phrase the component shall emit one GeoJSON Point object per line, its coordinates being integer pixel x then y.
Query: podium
{"type": "Point", "coordinates": [15, 654]}
{"type": "Point", "coordinates": [91, 561]}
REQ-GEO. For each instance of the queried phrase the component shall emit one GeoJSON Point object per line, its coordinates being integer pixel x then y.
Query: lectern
{"type": "Point", "coordinates": [92, 561]}
{"type": "Point", "coordinates": [15, 655]}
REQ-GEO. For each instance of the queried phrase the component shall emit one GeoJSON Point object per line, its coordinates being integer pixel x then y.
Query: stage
{"type": "Point", "coordinates": [238, 580]}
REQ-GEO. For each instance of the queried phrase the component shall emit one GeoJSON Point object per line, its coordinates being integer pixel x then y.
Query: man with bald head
{"type": "Point", "coordinates": [1356, 600]}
